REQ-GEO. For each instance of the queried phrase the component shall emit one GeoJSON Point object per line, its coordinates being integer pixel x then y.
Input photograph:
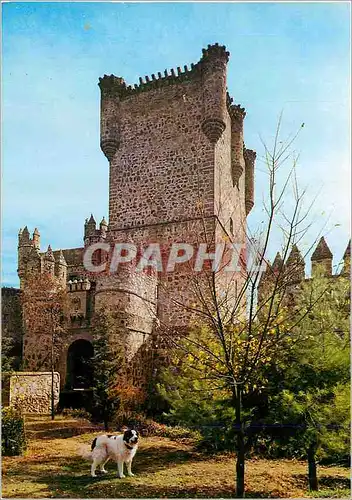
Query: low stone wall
{"type": "Point", "coordinates": [5, 389]}
{"type": "Point", "coordinates": [32, 391]}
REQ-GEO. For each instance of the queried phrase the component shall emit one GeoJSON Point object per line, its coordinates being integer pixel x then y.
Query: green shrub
{"type": "Point", "coordinates": [13, 438]}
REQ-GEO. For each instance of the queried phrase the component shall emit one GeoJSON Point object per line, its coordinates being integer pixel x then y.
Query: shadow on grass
{"type": "Point", "coordinates": [334, 482]}
{"type": "Point", "coordinates": [326, 482]}
{"type": "Point", "coordinates": [83, 486]}
{"type": "Point", "coordinates": [61, 433]}
{"type": "Point", "coordinates": [148, 460]}
{"type": "Point", "coordinates": [70, 477]}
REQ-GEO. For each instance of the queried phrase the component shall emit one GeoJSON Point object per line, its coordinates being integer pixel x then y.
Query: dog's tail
{"type": "Point", "coordinates": [85, 453]}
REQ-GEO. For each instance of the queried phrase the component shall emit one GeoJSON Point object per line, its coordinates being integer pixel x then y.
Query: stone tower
{"type": "Point", "coordinates": [175, 148]}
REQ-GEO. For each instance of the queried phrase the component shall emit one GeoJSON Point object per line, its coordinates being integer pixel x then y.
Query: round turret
{"type": "Point", "coordinates": [213, 66]}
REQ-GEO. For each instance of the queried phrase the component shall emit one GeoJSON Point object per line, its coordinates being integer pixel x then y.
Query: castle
{"type": "Point", "coordinates": [179, 171]}
{"type": "Point", "coordinates": [292, 270]}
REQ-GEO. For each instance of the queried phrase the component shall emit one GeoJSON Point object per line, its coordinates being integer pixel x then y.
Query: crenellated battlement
{"type": "Point", "coordinates": [236, 112]}
{"type": "Point", "coordinates": [209, 77]}
{"type": "Point", "coordinates": [117, 86]}
{"type": "Point", "coordinates": [215, 51]}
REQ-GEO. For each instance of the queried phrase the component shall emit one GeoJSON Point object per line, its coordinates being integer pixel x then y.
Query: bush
{"type": "Point", "coordinates": [13, 438]}
{"type": "Point", "coordinates": [79, 413]}
{"type": "Point", "coordinates": [147, 427]}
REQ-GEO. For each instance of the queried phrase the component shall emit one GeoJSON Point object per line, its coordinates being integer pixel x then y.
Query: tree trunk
{"type": "Point", "coordinates": [312, 468]}
{"type": "Point", "coordinates": [240, 462]}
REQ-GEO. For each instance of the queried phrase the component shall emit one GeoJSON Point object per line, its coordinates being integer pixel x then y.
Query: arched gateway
{"type": "Point", "coordinates": [79, 367]}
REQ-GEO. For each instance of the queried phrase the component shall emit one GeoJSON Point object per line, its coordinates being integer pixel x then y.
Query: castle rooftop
{"type": "Point", "coordinates": [322, 251]}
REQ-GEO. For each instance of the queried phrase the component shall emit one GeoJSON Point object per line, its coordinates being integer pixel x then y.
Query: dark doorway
{"type": "Point", "coordinates": [79, 367]}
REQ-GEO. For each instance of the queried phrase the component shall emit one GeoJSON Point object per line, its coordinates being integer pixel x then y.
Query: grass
{"type": "Point", "coordinates": [53, 468]}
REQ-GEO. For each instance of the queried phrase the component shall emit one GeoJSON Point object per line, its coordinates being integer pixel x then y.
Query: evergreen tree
{"type": "Point", "coordinates": [108, 365]}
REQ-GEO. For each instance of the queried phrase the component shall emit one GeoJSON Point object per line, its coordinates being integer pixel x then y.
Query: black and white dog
{"type": "Point", "coordinates": [121, 448]}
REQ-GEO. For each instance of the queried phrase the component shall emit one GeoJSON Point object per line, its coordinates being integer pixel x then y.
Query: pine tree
{"type": "Point", "coordinates": [108, 365]}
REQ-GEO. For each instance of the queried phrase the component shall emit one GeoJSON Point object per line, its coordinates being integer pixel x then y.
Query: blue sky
{"type": "Point", "coordinates": [284, 56]}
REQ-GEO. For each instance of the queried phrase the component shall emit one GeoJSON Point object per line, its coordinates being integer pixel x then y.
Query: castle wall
{"type": "Point", "coordinates": [37, 351]}
{"type": "Point", "coordinates": [133, 297]}
{"type": "Point", "coordinates": [164, 164]}
{"type": "Point", "coordinates": [178, 290]}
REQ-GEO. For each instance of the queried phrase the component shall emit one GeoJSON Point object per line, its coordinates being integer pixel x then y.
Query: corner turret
{"type": "Point", "coordinates": [36, 239]}
{"type": "Point", "coordinates": [295, 266]}
{"type": "Point", "coordinates": [24, 236]}
{"type": "Point", "coordinates": [278, 263]}
{"type": "Point", "coordinates": [25, 246]}
{"type": "Point", "coordinates": [321, 259]}
{"type": "Point", "coordinates": [61, 269]}
{"type": "Point", "coordinates": [49, 262]}
{"type": "Point", "coordinates": [237, 115]}
{"type": "Point", "coordinates": [103, 228]}
{"type": "Point", "coordinates": [110, 87]}
{"type": "Point", "coordinates": [249, 158]}
{"type": "Point", "coordinates": [89, 227]}
{"type": "Point", "coordinates": [213, 65]}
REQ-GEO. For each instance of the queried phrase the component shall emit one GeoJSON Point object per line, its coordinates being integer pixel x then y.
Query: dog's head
{"type": "Point", "coordinates": [131, 437]}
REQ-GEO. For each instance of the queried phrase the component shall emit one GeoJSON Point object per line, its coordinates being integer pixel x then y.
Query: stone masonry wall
{"type": "Point", "coordinates": [164, 163]}
{"type": "Point", "coordinates": [32, 391]}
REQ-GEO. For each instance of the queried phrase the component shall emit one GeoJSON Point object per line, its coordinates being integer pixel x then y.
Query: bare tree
{"type": "Point", "coordinates": [243, 320]}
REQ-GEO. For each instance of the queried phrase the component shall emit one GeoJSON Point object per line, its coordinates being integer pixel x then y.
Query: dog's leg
{"type": "Point", "coordinates": [95, 463]}
{"type": "Point", "coordinates": [120, 469]}
{"type": "Point", "coordinates": [129, 471]}
{"type": "Point", "coordinates": [102, 468]}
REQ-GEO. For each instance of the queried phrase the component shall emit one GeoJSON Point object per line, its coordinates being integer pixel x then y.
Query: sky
{"type": "Point", "coordinates": [285, 57]}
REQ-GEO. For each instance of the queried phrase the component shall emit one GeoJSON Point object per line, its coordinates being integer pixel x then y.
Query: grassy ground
{"type": "Point", "coordinates": [52, 467]}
